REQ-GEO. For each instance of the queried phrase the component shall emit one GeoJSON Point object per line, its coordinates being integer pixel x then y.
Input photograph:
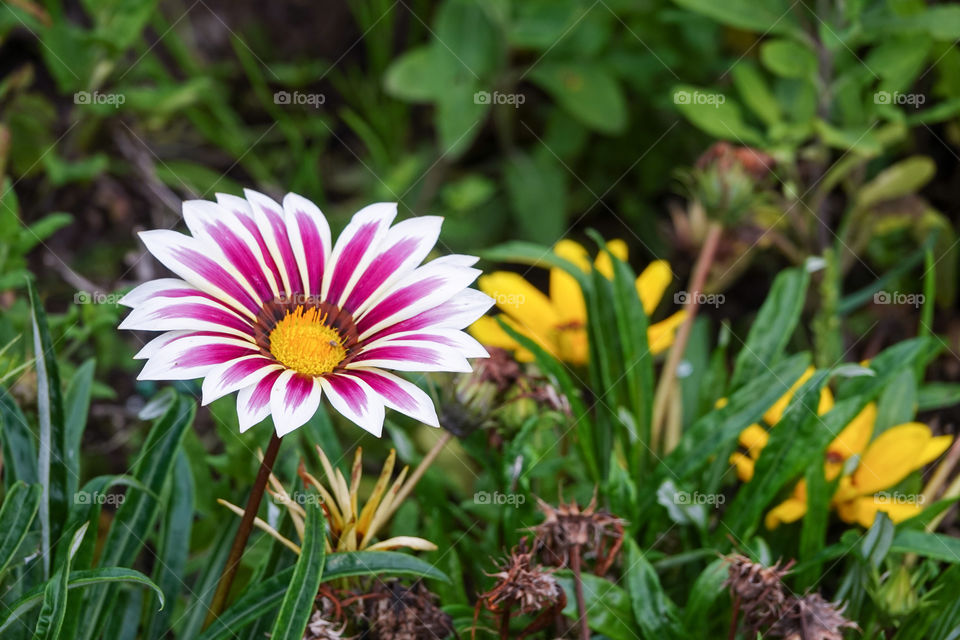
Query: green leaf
{"type": "Point", "coordinates": [54, 607]}
{"type": "Point", "coordinates": [773, 327]}
{"type": "Point", "coordinates": [19, 449]}
{"type": "Point", "coordinates": [538, 195]}
{"type": "Point", "coordinates": [901, 179]}
{"type": "Point", "coordinates": [588, 91]}
{"type": "Point", "coordinates": [465, 31]}
{"type": "Point", "coordinates": [459, 119]}
{"type": "Point", "coordinates": [754, 92]}
{"type": "Point", "coordinates": [705, 590]}
{"type": "Point", "coordinates": [78, 579]}
{"type": "Point", "coordinates": [120, 22]}
{"type": "Point", "coordinates": [655, 613]}
{"type": "Point", "coordinates": [788, 58]}
{"type": "Point", "coordinates": [715, 114]}
{"type": "Point", "coordinates": [76, 406]}
{"type": "Point", "coordinates": [16, 515]}
{"type": "Point", "coordinates": [761, 16]}
{"type": "Point", "coordinates": [51, 464]}
{"type": "Point", "coordinates": [931, 545]}
{"type": "Point", "coordinates": [607, 605]}
{"type": "Point", "coordinates": [938, 395]}
{"type": "Point", "coordinates": [417, 76]}
{"type": "Point", "coordinates": [297, 605]}
{"type": "Point", "coordinates": [897, 403]}
{"type": "Point", "coordinates": [134, 520]}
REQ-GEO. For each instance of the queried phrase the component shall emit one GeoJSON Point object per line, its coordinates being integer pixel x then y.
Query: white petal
{"type": "Point", "coordinates": [355, 249]}
{"type": "Point", "coordinates": [143, 292]}
{"type": "Point", "coordinates": [356, 401]}
{"type": "Point", "coordinates": [399, 394]}
{"type": "Point", "coordinates": [191, 313]}
{"type": "Point", "coordinates": [309, 234]}
{"type": "Point", "coordinates": [466, 345]}
{"type": "Point", "coordinates": [410, 355]}
{"type": "Point", "coordinates": [193, 357]}
{"type": "Point", "coordinates": [293, 401]}
{"type": "Point", "coordinates": [273, 227]}
{"type": "Point", "coordinates": [253, 402]}
{"type": "Point", "coordinates": [235, 375]}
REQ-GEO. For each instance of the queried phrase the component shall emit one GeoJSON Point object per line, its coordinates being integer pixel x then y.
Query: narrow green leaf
{"type": "Point", "coordinates": [92, 577]}
{"type": "Point", "coordinates": [656, 615]}
{"type": "Point", "coordinates": [16, 515]}
{"type": "Point", "coordinates": [19, 448]}
{"type": "Point", "coordinates": [773, 327]}
{"type": "Point", "coordinates": [297, 605]}
{"type": "Point", "coordinates": [54, 607]}
{"type": "Point", "coordinates": [931, 545]}
{"type": "Point", "coordinates": [76, 406]}
{"type": "Point", "coordinates": [51, 464]}
{"type": "Point", "coordinates": [705, 590]}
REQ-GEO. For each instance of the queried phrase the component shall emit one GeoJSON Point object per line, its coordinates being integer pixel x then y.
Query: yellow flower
{"type": "Point", "coordinates": [754, 438]}
{"type": "Point", "coordinates": [891, 457]}
{"type": "Point", "coordinates": [557, 322]}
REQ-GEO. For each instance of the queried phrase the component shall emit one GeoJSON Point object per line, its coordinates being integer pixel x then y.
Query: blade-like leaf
{"type": "Point", "coordinates": [76, 406]}
{"type": "Point", "coordinates": [54, 607]}
{"type": "Point", "coordinates": [52, 462]}
{"type": "Point", "coordinates": [19, 509]}
{"type": "Point", "coordinates": [19, 447]}
{"type": "Point", "coordinates": [297, 605]}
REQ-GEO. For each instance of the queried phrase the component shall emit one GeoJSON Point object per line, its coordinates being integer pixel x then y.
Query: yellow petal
{"type": "Point", "coordinates": [826, 401]}
{"type": "Point", "coordinates": [652, 283]}
{"type": "Point", "coordinates": [521, 301]}
{"type": "Point", "coordinates": [891, 457]}
{"type": "Point", "coordinates": [488, 331]}
{"type": "Point", "coordinates": [572, 345]}
{"type": "Point", "coordinates": [744, 466]}
{"type": "Point", "coordinates": [853, 439]}
{"type": "Point", "coordinates": [660, 335]}
{"type": "Point", "coordinates": [604, 264]}
{"type": "Point", "coordinates": [754, 438]}
{"type": "Point", "coordinates": [565, 293]}
{"type": "Point", "coordinates": [933, 449]}
{"type": "Point", "coordinates": [409, 542]}
{"type": "Point", "coordinates": [867, 507]}
{"type": "Point", "coordinates": [721, 403]}
{"type": "Point", "coordinates": [790, 510]}
{"type": "Point", "coordinates": [774, 413]}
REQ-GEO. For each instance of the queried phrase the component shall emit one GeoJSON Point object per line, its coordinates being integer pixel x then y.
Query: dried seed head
{"type": "Point", "coordinates": [522, 586]}
{"type": "Point", "coordinates": [758, 589]}
{"type": "Point", "coordinates": [811, 618]}
{"type": "Point", "coordinates": [397, 612]}
{"type": "Point", "coordinates": [596, 534]}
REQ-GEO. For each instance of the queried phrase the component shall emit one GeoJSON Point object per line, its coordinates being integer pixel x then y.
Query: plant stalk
{"type": "Point", "coordinates": [667, 377]}
{"type": "Point", "coordinates": [578, 586]}
{"type": "Point", "coordinates": [243, 533]}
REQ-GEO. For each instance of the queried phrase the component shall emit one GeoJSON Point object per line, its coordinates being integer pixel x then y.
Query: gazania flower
{"type": "Point", "coordinates": [558, 322]}
{"type": "Point", "coordinates": [754, 438]}
{"type": "Point", "coordinates": [881, 464]}
{"type": "Point", "coordinates": [268, 306]}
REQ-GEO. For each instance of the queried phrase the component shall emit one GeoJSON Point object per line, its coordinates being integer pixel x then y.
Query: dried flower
{"type": "Point", "coordinates": [522, 585]}
{"type": "Point", "coordinates": [758, 590]}
{"type": "Point", "coordinates": [393, 611]}
{"type": "Point", "coordinates": [811, 618]}
{"type": "Point", "coordinates": [593, 533]}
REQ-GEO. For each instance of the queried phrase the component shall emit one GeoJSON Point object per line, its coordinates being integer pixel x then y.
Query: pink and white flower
{"type": "Point", "coordinates": [267, 305]}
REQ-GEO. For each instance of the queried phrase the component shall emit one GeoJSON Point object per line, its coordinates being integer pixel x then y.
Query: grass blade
{"type": "Point", "coordinates": [297, 605]}
{"type": "Point", "coordinates": [16, 515]}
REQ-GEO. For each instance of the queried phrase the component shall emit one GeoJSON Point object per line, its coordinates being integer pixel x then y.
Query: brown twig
{"type": "Point", "coordinates": [243, 533]}
{"type": "Point", "coordinates": [578, 586]}
{"type": "Point", "coordinates": [667, 377]}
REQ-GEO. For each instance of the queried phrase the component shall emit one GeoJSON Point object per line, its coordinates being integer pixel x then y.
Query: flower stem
{"type": "Point", "coordinates": [505, 623]}
{"type": "Point", "coordinates": [578, 586]}
{"type": "Point", "coordinates": [243, 533]}
{"type": "Point", "coordinates": [667, 377]}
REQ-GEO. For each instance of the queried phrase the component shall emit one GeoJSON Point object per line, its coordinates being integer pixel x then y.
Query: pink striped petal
{"type": "Point", "coordinates": [192, 313]}
{"type": "Point", "coordinates": [202, 266]}
{"type": "Point", "coordinates": [403, 355]}
{"type": "Point", "coordinates": [400, 395]}
{"type": "Point", "coordinates": [425, 288]}
{"type": "Point", "coordinates": [453, 339]}
{"type": "Point", "coordinates": [243, 213]}
{"type": "Point", "coordinates": [253, 402]}
{"type": "Point", "coordinates": [457, 260]}
{"type": "Point", "coordinates": [270, 220]}
{"type": "Point", "coordinates": [193, 357]}
{"type": "Point", "coordinates": [235, 375]}
{"type": "Point", "coordinates": [405, 246]}
{"type": "Point", "coordinates": [458, 312]}
{"type": "Point", "coordinates": [355, 249]}
{"type": "Point", "coordinates": [309, 235]}
{"type": "Point", "coordinates": [162, 287]}
{"type": "Point", "coordinates": [293, 400]}
{"type": "Point", "coordinates": [162, 341]}
{"type": "Point", "coordinates": [356, 401]}
{"type": "Point", "coordinates": [216, 225]}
